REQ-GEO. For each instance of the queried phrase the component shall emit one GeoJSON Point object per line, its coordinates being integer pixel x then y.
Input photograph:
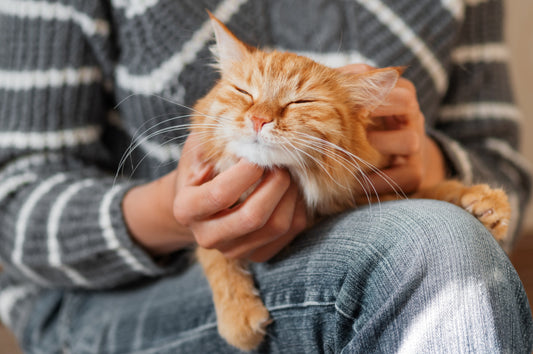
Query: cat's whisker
{"type": "Point", "coordinates": [300, 161]}
{"type": "Point", "coordinates": [206, 133]}
{"type": "Point", "coordinates": [137, 137]}
{"type": "Point", "coordinates": [319, 163]}
{"type": "Point", "coordinates": [392, 184]}
{"type": "Point", "coordinates": [335, 157]}
{"type": "Point", "coordinates": [139, 142]}
{"type": "Point", "coordinates": [353, 164]}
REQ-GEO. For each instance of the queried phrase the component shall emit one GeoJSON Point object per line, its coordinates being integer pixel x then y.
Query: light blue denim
{"type": "Point", "coordinates": [414, 276]}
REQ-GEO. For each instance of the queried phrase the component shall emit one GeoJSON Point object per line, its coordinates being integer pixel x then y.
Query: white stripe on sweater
{"type": "Point", "coordinates": [481, 110]}
{"type": "Point", "coordinates": [38, 79]}
{"type": "Point", "coordinates": [54, 220]}
{"type": "Point", "coordinates": [336, 60]}
{"type": "Point", "coordinates": [398, 27]}
{"type": "Point", "coordinates": [155, 81]}
{"type": "Point", "coordinates": [134, 8]}
{"type": "Point", "coordinates": [461, 157]}
{"type": "Point", "coordinates": [488, 52]}
{"type": "Point", "coordinates": [11, 184]}
{"type": "Point", "coordinates": [8, 299]}
{"type": "Point", "coordinates": [456, 8]}
{"type": "Point", "coordinates": [23, 222]}
{"type": "Point", "coordinates": [22, 164]}
{"type": "Point", "coordinates": [503, 148]}
{"type": "Point", "coordinates": [54, 11]}
{"type": "Point", "coordinates": [50, 140]}
{"type": "Point", "coordinates": [163, 153]}
{"type": "Point", "coordinates": [110, 237]}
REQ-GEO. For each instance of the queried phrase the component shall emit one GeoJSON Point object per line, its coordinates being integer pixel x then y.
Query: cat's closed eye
{"type": "Point", "coordinates": [244, 92]}
{"type": "Point", "coordinates": [302, 101]}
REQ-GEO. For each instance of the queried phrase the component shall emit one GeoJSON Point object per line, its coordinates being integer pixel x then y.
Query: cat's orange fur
{"type": "Point", "coordinates": [293, 96]}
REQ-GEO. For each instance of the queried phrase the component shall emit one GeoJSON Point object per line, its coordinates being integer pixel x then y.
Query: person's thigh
{"type": "Point", "coordinates": [408, 276]}
{"type": "Point", "coordinates": [403, 275]}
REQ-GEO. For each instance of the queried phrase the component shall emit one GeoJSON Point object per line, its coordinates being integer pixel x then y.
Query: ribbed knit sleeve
{"type": "Point", "coordinates": [478, 125]}
{"type": "Point", "coordinates": [61, 222]}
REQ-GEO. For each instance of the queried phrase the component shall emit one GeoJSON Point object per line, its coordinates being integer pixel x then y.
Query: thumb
{"type": "Point", "coordinates": [193, 169]}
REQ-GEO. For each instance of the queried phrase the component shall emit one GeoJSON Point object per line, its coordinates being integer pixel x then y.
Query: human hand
{"type": "Point", "coordinates": [257, 228]}
{"type": "Point", "coordinates": [417, 161]}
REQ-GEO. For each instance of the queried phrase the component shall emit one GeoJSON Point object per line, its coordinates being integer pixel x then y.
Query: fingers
{"type": "Point", "coordinates": [280, 225]}
{"type": "Point", "coordinates": [261, 225]}
{"type": "Point", "coordinates": [195, 202]}
{"type": "Point", "coordinates": [403, 179]}
{"type": "Point", "coordinates": [299, 223]}
{"type": "Point", "coordinates": [401, 101]}
{"type": "Point", "coordinates": [395, 142]}
{"type": "Point", "coordinates": [355, 68]}
{"type": "Point", "coordinates": [246, 217]}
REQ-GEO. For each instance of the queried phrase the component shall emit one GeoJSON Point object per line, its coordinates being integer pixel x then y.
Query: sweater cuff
{"type": "Point", "coordinates": [115, 258]}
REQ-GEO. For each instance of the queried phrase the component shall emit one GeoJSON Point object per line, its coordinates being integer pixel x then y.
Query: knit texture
{"type": "Point", "coordinates": [80, 79]}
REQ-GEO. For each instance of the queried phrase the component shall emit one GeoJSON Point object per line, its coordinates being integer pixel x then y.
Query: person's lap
{"type": "Point", "coordinates": [402, 275]}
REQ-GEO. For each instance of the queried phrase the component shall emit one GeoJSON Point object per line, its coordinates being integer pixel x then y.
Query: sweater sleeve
{"type": "Point", "coordinates": [61, 223]}
{"type": "Point", "coordinates": [478, 126]}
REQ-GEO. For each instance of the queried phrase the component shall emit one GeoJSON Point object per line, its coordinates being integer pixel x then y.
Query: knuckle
{"type": "Point", "coordinates": [412, 105]}
{"type": "Point", "coordinates": [279, 225]}
{"type": "Point", "coordinates": [205, 242]}
{"type": "Point", "coordinates": [181, 214]}
{"type": "Point", "coordinates": [252, 219]}
{"type": "Point", "coordinates": [409, 85]}
{"type": "Point", "coordinates": [365, 67]}
{"type": "Point", "coordinates": [412, 142]}
{"type": "Point", "coordinates": [283, 179]}
{"type": "Point", "coordinates": [299, 222]}
{"type": "Point", "coordinates": [216, 197]}
{"type": "Point", "coordinates": [233, 254]}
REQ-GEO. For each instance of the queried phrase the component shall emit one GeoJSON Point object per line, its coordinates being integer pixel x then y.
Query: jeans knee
{"type": "Point", "coordinates": [434, 235]}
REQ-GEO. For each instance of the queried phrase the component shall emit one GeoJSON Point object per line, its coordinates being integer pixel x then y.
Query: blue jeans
{"type": "Point", "coordinates": [409, 276]}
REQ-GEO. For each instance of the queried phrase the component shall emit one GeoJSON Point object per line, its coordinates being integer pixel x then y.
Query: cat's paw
{"type": "Point", "coordinates": [490, 206]}
{"type": "Point", "coordinates": [243, 323]}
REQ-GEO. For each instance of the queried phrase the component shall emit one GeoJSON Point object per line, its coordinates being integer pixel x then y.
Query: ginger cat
{"type": "Point", "coordinates": [281, 109]}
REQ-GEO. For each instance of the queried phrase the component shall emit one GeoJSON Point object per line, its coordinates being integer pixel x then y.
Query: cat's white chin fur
{"type": "Point", "coordinates": [264, 155]}
{"type": "Point", "coordinates": [270, 156]}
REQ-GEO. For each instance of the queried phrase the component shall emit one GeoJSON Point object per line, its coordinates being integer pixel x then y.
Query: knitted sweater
{"type": "Point", "coordinates": [80, 79]}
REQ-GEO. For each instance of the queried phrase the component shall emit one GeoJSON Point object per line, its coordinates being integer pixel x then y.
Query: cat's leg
{"type": "Point", "coordinates": [241, 315]}
{"type": "Point", "coordinates": [488, 205]}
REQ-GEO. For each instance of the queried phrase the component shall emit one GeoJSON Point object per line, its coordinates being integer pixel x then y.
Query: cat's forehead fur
{"type": "Point", "coordinates": [277, 74]}
{"type": "Point", "coordinates": [282, 74]}
{"type": "Point", "coordinates": [239, 62]}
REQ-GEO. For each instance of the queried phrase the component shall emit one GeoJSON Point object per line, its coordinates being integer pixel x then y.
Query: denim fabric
{"type": "Point", "coordinates": [415, 276]}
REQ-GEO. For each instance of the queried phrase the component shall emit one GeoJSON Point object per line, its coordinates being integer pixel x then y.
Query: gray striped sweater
{"type": "Point", "coordinates": [79, 79]}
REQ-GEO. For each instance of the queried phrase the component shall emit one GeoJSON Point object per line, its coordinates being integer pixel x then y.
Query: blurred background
{"type": "Point", "coordinates": [519, 34]}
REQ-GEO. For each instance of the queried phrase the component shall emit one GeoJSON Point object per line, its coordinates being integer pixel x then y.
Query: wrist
{"type": "Point", "coordinates": [148, 212]}
{"type": "Point", "coordinates": [436, 164]}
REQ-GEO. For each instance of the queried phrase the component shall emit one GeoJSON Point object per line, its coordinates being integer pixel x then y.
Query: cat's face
{"type": "Point", "coordinates": [281, 109]}
{"type": "Point", "coordinates": [273, 106]}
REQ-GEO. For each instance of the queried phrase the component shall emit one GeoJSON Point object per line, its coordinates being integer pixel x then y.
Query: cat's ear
{"type": "Point", "coordinates": [229, 49]}
{"type": "Point", "coordinates": [371, 88]}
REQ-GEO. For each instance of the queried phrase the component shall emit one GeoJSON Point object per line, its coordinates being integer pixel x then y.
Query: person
{"type": "Point", "coordinates": [97, 261]}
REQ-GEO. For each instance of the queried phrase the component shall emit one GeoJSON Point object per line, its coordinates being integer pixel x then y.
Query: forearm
{"type": "Point", "coordinates": [148, 212]}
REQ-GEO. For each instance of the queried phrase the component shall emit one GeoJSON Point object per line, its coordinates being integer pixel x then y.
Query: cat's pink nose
{"type": "Point", "coordinates": [259, 122]}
